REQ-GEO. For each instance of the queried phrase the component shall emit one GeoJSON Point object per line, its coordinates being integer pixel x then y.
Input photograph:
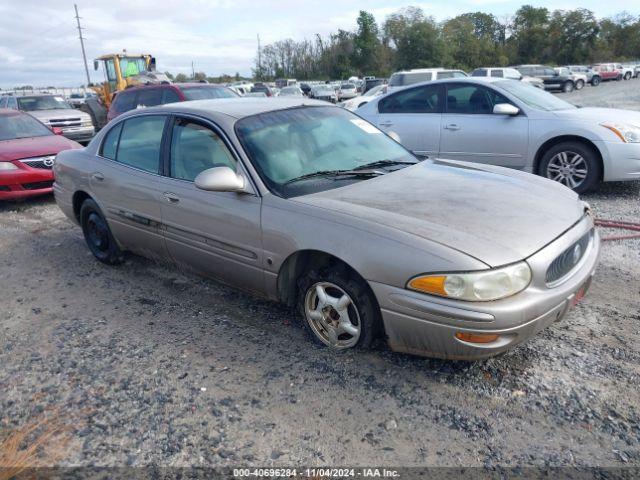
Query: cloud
{"type": "Point", "coordinates": [39, 40]}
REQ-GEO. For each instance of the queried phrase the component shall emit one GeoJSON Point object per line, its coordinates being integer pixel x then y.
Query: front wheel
{"type": "Point", "coordinates": [338, 310]}
{"type": "Point", "coordinates": [573, 164]}
{"type": "Point", "coordinates": [98, 235]}
{"type": "Point", "coordinates": [579, 85]}
{"type": "Point", "coordinates": [567, 87]}
{"type": "Point", "coordinates": [595, 81]}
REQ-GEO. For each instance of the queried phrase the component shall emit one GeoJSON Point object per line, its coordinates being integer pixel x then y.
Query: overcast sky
{"type": "Point", "coordinates": [39, 42]}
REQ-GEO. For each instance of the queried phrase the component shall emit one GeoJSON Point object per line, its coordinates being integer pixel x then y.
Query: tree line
{"type": "Point", "coordinates": [409, 38]}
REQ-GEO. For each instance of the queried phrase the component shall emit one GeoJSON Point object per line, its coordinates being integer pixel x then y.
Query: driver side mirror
{"type": "Point", "coordinates": [221, 179]}
{"type": "Point", "coordinates": [505, 109]}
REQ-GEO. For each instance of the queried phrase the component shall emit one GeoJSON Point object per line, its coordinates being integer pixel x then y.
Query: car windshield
{"type": "Point", "coordinates": [534, 97]}
{"type": "Point", "coordinates": [374, 91]}
{"type": "Point", "coordinates": [205, 93]}
{"type": "Point", "coordinates": [290, 91]}
{"type": "Point", "coordinates": [21, 126]}
{"type": "Point", "coordinates": [288, 144]}
{"type": "Point", "coordinates": [31, 104]}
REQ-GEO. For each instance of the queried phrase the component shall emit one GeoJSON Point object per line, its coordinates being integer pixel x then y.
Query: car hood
{"type": "Point", "coordinates": [599, 115]}
{"type": "Point", "coordinates": [45, 115]}
{"type": "Point", "coordinates": [493, 214]}
{"type": "Point", "coordinates": [34, 147]}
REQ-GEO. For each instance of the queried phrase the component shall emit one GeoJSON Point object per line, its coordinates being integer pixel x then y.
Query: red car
{"type": "Point", "coordinates": [152, 95]}
{"type": "Point", "coordinates": [27, 154]}
{"type": "Point", "coordinates": [608, 71]}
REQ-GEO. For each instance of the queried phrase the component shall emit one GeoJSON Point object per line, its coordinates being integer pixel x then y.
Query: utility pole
{"type": "Point", "coordinates": [193, 72]}
{"type": "Point", "coordinates": [84, 55]}
{"type": "Point", "coordinates": [259, 73]}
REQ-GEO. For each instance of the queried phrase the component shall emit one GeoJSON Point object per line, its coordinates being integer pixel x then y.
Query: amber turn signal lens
{"type": "Point", "coordinates": [430, 284]}
{"type": "Point", "coordinates": [477, 337]}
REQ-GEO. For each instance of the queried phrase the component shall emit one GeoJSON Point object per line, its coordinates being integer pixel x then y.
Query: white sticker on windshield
{"type": "Point", "coordinates": [366, 126]}
{"type": "Point", "coordinates": [59, 99]}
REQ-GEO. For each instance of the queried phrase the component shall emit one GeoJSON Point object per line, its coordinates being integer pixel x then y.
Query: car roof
{"type": "Point", "coordinates": [240, 107]}
{"type": "Point", "coordinates": [166, 85]}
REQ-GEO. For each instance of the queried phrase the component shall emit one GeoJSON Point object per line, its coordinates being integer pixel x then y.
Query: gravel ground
{"type": "Point", "coordinates": [612, 94]}
{"type": "Point", "coordinates": [149, 366]}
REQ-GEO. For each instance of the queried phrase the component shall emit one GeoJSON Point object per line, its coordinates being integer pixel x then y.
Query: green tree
{"type": "Point", "coordinates": [366, 44]}
{"type": "Point", "coordinates": [529, 34]}
{"type": "Point", "coordinates": [181, 78]}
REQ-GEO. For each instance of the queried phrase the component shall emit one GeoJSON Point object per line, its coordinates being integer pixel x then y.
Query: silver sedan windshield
{"type": "Point", "coordinates": [288, 144]}
{"type": "Point", "coordinates": [534, 97]}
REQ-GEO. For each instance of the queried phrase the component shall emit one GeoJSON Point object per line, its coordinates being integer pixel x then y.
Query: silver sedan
{"type": "Point", "coordinates": [509, 123]}
{"type": "Point", "coordinates": [308, 204]}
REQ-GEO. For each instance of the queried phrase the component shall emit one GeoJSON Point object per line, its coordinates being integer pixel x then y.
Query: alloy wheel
{"type": "Point", "coordinates": [332, 315]}
{"type": "Point", "coordinates": [568, 168]}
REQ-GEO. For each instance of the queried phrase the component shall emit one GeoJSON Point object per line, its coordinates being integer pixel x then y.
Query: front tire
{"type": "Point", "coordinates": [567, 87]}
{"type": "Point", "coordinates": [573, 164]}
{"type": "Point", "coordinates": [595, 81]}
{"type": "Point", "coordinates": [627, 75]}
{"type": "Point", "coordinates": [579, 85]}
{"type": "Point", "coordinates": [98, 235]}
{"type": "Point", "coordinates": [338, 310]}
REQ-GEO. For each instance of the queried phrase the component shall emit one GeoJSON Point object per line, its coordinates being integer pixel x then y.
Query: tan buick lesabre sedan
{"type": "Point", "coordinates": [308, 204]}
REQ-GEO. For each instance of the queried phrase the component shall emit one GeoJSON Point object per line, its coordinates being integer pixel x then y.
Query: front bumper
{"type": "Point", "coordinates": [426, 325]}
{"type": "Point", "coordinates": [621, 160]}
{"type": "Point", "coordinates": [79, 134]}
{"type": "Point", "coordinates": [25, 182]}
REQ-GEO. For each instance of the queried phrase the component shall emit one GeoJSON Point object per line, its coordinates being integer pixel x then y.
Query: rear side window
{"type": "Point", "coordinates": [479, 72]}
{"type": "Point", "coordinates": [124, 101]}
{"type": "Point", "coordinates": [110, 143]}
{"type": "Point", "coordinates": [497, 73]}
{"type": "Point", "coordinates": [169, 95]}
{"type": "Point", "coordinates": [472, 99]}
{"type": "Point", "coordinates": [426, 99]}
{"type": "Point", "coordinates": [149, 97]}
{"type": "Point", "coordinates": [140, 141]}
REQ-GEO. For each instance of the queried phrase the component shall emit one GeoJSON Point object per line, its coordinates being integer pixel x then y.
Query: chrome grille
{"type": "Point", "coordinates": [65, 122]}
{"type": "Point", "coordinates": [45, 163]}
{"type": "Point", "coordinates": [568, 260]}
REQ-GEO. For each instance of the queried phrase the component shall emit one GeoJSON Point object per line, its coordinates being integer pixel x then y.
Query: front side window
{"type": "Point", "coordinates": [426, 99]}
{"type": "Point", "coordinates": [140, 141]}
{"type": "Point", "coordinates": [297, 150]}
{"type": "Point", "coordinates": [32, 104]}
{"type": "Point", "coordinates": [21, 126]}
{"type": "Point", "coordinates": [472, 99]}
{"type": "Point", "coordinates": [195, 148]}
{"type": "Point", "coordinates": [497, 73]}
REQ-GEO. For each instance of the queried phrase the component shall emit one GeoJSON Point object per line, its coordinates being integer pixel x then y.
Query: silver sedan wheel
{"type": "Point", "coordinates": [332, 315]}
{"type": "Point", "coordinates": [568, 168]}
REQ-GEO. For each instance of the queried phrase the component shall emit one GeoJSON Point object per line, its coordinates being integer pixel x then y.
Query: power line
{"type": "Point", "coordinates": [84, 55]}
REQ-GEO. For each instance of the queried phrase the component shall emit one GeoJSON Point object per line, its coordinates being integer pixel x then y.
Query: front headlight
{"type": "Point", "coordinates": [626, 132]}
{"type": "Point", "coordinates": [480, 286]}
{"type": "Point", "coordinates": [5, 166]}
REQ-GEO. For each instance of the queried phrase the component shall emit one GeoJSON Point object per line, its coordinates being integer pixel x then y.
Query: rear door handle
{"type": "Point", "coordinates": [171, 197]}
{"type": "Point", "coordinates": [386, 124]}
{"type": "Point", "coordinates": [452, 126]}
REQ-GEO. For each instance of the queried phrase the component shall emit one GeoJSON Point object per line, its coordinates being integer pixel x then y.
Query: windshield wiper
{"type": "Point", "coordinates": [331, 173]}
{"type": "Point", "coordinates": [383, 163]}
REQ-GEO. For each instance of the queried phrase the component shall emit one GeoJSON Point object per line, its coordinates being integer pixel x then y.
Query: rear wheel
{"type": "Point", "coordinates": [579, 85]}
{"type": "Point", "coordinates": [98, 235]}
{"type": "Point", "coordinates": [338, 309]}
{"type": "Point", "coordinates": [573, 164]}
{"type": "Point", "coordinates": [567, 87]}
{"type": "Point", "coordinates": [595, 81]}
{"type": "Point", "coordinates": [627, 75]}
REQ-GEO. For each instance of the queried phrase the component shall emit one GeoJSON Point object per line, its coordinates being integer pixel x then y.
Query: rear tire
{"type": "Point", "coordinates": [595, 81]}
{"type": "Point", "coordinates": [568, 86]}
{"type": "Point", "coordinates": [338, 309]}
{"type": "Point", "coordinates": [574, 164]}
{"type": "Point", "coordinates": [579, 85]}
{"type": "Point", "coordinates": [98, 235]}
{"type": "Point", "coordinates": [627, 75]}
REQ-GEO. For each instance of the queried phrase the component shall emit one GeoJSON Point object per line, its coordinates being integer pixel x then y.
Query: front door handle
{"type": "Point", "coordinates": [97, 176]}
{"type": "Point", "coordinates": [452, 126]}
{"type": "Point", "coordinates": [171, 197]}
{"type": "Point", "coordinates": [386, 124]}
